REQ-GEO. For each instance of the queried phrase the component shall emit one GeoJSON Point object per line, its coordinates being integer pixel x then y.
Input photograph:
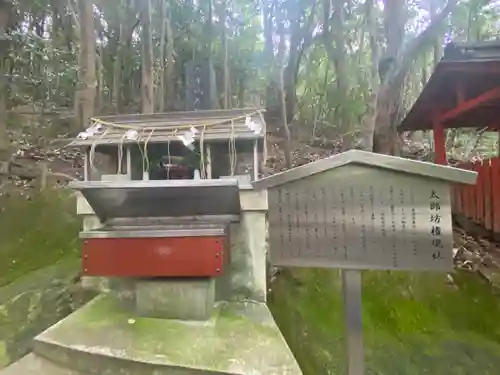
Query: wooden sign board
{"type": "Point", "coordinates": [363, 214]}
{"type": "Point", "coordinates": [360, 218]}
{"type": "Point", "coordinates": [357, 211]}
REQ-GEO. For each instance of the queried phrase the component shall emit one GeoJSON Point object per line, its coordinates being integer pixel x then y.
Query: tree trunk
{"type": "Point", "coordinates": [163, 32]}
{"type": "Point", "coordinates": [385, 137]}
{"type": "Point", "coordinates": [425, 76]}
{"type": "Point", "coordinates": [147, 88]}
{"type": "Point", "coordinates": [273, 113]}
{"type": "Point", "coordinates": [117, 62]}
{"type": "Point", "coordinates": [241, 90]}
{"type": "Point", "coordinates": [209, 28]}
{"type": "Point", "coordinates": [99, 104]}
{"type": "Point", "coordinates": [87, 72]}
{"type": "Point", "coordinates": [395, 16]}
{"type": "Point", "coordinates": [227, 94]}
{"type": "Point", "coordinates": [334, 42]}
{"type": "Point", "coordinates": [129, 81]}
{"type": "Point", "coordinates": [4, 50]}
{"type": "Point", "coordinates": [388, 104]}
{"type": "Point", "coordinates": [438, 46]}
{"type": "Point", "coordinates": [169, 69]}
{"type": "Point", "coordinates": [287, 142]}
{"type": "Point", "coordinates": [57, 28]}
{"type": "Point", "coordinates": [373, 37]}
{"type": "Point", "coordinates": [368, 118]}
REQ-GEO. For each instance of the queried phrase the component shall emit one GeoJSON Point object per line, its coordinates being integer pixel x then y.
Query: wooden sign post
{"type": "Point", "coordinates": [362, 211]}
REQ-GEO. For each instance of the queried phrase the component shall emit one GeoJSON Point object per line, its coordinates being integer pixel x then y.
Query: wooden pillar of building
{"type": "Point", "coordinates": [439, 144]}
{"type": "Point", "coordinates": [498, 143]}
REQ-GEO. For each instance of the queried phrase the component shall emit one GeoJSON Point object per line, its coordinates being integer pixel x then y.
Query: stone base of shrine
{"type": "Point", "coordinates": [101, 338]}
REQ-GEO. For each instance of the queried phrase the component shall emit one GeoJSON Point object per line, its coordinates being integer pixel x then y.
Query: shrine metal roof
{"type": "Point", "coordinates": [369, 159]}
{"type": "Point", "coordinates": [161, 198]}
{"type": "Point", "coordinates": [215, 125]}
{"type": "Point", "coordinates": [463, 91]}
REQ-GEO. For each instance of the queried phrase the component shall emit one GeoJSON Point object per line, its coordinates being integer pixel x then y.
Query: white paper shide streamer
{"type": "Point", "coordinates": [132, 135]}
{"type": "Point", "coordinates": [90, 132]}
{"type": "Point", "coordinates": [187, 138]}
{"type": "Point", "coordinates": [252, 125]}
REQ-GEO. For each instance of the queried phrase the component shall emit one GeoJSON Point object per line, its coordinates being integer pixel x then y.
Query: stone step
{"type": "Point", "coordinates": [36, 365]}
{"type": "Point", "coordinates": [80, 361]}
{"type": "Point", "coordinates": [101, 338]}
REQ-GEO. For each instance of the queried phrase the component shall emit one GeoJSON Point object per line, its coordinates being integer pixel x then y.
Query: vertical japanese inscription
{"type": "Point", "coordinates": [307, 225]}
{"type": "Point", "coordinates": [403, 212]}
{"type": "Point", "coordinates": [280, 216]}
{"type": "Point", "coordinates": [316, 221]}
{"type": "Point", "coordinates": [383, 229]}
{"type": "Point", "coordinates": [371, 198]}
{"type": "Point", "coordinates": [401, 209]}
{"type": "Point", "coordinates": [333, 210]}
{"type": "Point", "coordinates": [344, 224]}
{"type": "Point", "coordinates": [353, 220]}
{"type": "Point", "coordinates": [289, 218]}
{"type": "Point", "coordinates": [393, 226]}
{"type": "Point", "coordinates": [325, 213]}
{"type": "Point", "coordinates": [414, 232]}
{"type": "Point", "coordinates": [435, 221]}
{"type": "Point", "coordinates": [297, 222]}
{"type": "Point", "coordinates": [375, 242]}
{"type": "Point", "coordinates": [363, 223]}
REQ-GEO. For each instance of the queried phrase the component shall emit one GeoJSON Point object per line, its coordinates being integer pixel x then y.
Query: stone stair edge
{"type": "Point", "coordinates": [87, 362]}
{"type": "Point", "coordinates": [32, 364]}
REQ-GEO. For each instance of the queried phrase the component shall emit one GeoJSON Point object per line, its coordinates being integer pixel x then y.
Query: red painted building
{"type": "Point", "coordinates": [464, 92]}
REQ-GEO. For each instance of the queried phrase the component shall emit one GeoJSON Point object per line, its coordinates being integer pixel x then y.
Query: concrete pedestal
{"type": "Point", "coordinates": [100, 338]}
{"type": "Point", "coordinates": [187, 299]}
{"type": "Point", "coordinates": [169, 326]}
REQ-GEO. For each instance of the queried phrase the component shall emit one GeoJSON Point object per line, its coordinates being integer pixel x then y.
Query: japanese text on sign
{"type": "Point", "coordinates": [398, 224]}
{"type": "Point", "coordinates": [435, 219]}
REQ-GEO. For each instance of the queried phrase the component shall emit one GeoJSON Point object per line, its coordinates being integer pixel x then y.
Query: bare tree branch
{"type": "Point", "coordinates": [423, 40]}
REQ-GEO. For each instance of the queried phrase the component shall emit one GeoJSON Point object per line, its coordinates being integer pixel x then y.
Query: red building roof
{"type": "Point", "coordinates": [463, 91]}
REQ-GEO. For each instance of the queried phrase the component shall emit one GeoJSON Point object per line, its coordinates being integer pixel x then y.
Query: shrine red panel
{"type": "Point", "coordinates": [154, 257]}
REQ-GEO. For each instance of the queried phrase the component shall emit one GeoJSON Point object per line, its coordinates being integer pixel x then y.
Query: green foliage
{"type": "Point", "coordinates": [45, 58]}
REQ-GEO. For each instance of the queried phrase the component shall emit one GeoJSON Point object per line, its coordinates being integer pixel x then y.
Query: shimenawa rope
{"type": "Point", "coordinates": [143, 151]}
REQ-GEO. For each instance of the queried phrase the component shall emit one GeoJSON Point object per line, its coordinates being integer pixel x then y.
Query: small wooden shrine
{"type": "Point", "coordinates": [174, 240]}
{"type": "Point", "coordinates": [177, 145]}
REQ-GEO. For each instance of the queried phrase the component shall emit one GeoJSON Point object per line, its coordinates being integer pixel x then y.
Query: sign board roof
{"type": "Point", "coordinates": [369, 159]}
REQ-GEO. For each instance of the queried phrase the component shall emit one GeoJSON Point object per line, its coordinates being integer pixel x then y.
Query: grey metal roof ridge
{"type": "Point", "coordinates": [370, 159]}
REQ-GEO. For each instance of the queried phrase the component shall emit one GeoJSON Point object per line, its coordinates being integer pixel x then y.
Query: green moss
{"type": "Point", "coordinates": [39, 260]}
{"type": "Point", "coordinates": [148, 334]}
{"type": "Point", "coordinates": [36, 233]}
{"type": "Point", "coordinates": [4, 356]}
{"type": "Point", "coordinates": [229, 339]}
{"type": "Point", "coordinates": [413, 323]}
